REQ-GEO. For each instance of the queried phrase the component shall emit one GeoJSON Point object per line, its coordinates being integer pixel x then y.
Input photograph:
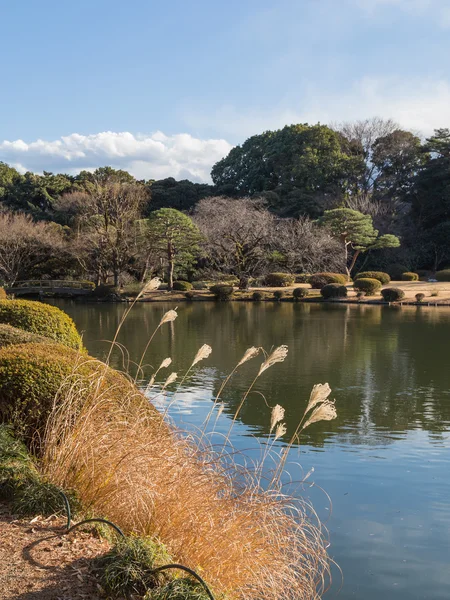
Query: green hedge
{"type": "Point", "coordinates": [368, 285]}
{"type": "Point", "coordinates": [300, 293]}
{"type": "Point", "coordinates": [12, 335]}
{"type": "Point", "coordinates": [318, 280]}
{"type": "Point", "coordinates": [392, 294]}
{"type": "Point", "coordinates": [279, 279]}
{"type": "Point", "coordinates": [443, 275]}
{"type": "Point", "coordinates": [383, 278]}
{"type": "Point", "coordinates": [333, 290]}
{"type": "Point", "coordinates": [408, 276]}
{"type": "Point", "coordinates": [302, 277]}
{"type": "Point", "coordinates": [222, 292]}
{"type": "Point", "coordinates": [182, 286]}
{"type": "Point", "coordinates": [42, 319]}
{"type": "Point", "coordinates": [32, 374]}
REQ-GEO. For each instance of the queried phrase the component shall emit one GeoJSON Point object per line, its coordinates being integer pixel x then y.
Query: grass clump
{"type": "Point", "coordinates": [126, 569]}
{"type": "Point", "coordinates": [279, 279]}
{"type": "Point", "coordinates": [182, 286]}
{"type": "Point", "coordinates": [183, 588]}
{"type": "Point", "coordinates": [41, 319]}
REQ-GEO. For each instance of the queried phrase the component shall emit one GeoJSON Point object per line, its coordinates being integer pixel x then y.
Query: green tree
{"type": "Point", "coordinates": [356, 233]}
{"type": "Point", "coordinates": [182, 195]}
{"type": "Point", "coordinates": [175, 236]}
{"type": "Point", "coordinates": [305, 167]}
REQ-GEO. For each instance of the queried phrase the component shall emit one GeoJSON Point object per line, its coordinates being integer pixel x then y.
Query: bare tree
{"type": "Point", "coordinates": [25, 244]}
{"type": "Point", "coordinates": [105, 219]}
{"type": "Point", "coordinates": [239, 235]}
{"type": "Point", "coordinates": [307, 248]}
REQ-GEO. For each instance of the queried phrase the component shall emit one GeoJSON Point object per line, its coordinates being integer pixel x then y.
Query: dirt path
{"type": "Point", "coordinates": [37, 563]}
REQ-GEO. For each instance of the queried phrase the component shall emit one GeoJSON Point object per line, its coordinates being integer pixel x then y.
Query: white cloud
{"type": "Point", "coordinates": [437, 10]}
{"type": "Point", "coordinates": [145, 156]}
{"type": "Point", "coordinates": [420, 106]}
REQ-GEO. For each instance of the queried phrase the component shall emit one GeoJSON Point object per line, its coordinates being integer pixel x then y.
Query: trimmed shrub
{"type": "Point", "coordinates": [318, 280]}
{"type": "Point", "coordinates": [257, 296]}
{"type": "Point", "coordinates": [42, 319]}
{"type": "Point", "coordinates": [395, 270]}
{"type": "Point", "coordinates": [300, 293]}
{"type": "Point", "coordinates": [222, 292]}
{"type": "Point", "coordinates": [443, 275]}
{"type": "Point", "coordinates": [31, 376]}
{"type": "Point", "coordinates": [182, 286]}
{"type": "Point", "coordinates": [333, 290]}
{"type": "Point", "coordinates": [360, 294]}
{"type": "Point", "coordinates": [420, 297]}
{"type": "Point", "coordinates": [392, 294]}
{"type": "Point", "coordinates": [279, 279]}
{"type": "Point", "coordinates": [408, 276]}
{"type": "Point", "coordinates": [368, 285]}
{"type": "Point", "coordinates": [383, 278]}
{"type": "Point", "coordinates": [278, 294]}
{"type": "Point", "coordinates": [3, 295]}
{"type": "Point", "coordinates": [199, 285]}
{"type": "Point", "coordinates": [12, 335]}
{"type": "Point", "coordinates": [189, 295]}
{"type": "Point", "coordinates": [302, 278]}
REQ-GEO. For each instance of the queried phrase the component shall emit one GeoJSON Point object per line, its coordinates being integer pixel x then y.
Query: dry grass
{"type": "Point", "coordinates": [127, 464]}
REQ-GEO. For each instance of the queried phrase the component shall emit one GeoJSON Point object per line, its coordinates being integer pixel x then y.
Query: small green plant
{"type": "Point", "coordinates": [184, 588]}
{"type": "Point", "coordinates": [318, 280]}
{"type": "Point", "coordinates": [278, 294]}
{"type": "Point", "coordinates": [42, 319]}
{"type": "Point", "coordinates": [333, 290]}
{"type": "Point", "coordinates": [435, 293]}
{"type": "Point", "coordinates": [443, 275]}
{"type": "Point", "coordinates": [409, 276]}
{"type": "Point", "coordinates": [383, 278]}
{"type": "Point", "coordinates": [279, 279]}
{"type": "Point", "coordinates": [420, 297]}
{"type": "Point", "coordinates": [182, 286]}
{"type": "Point", "coordinates": [257, 296]}
{"type": "Point", "coordinates": [300, 293]}
{"type": "Point", "coordinates": [368, 285]}
{"type": "Point", "coordinates": [222, 292]}
{"type": "Point", "coordinates": [392, 294]}
{"type": "Point", "coordinates": [127, 568]}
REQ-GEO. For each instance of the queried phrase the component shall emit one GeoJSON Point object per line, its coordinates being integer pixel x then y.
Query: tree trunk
{"type": "Point", "coordinates": [170, 267]}
{"type": "Point", "coordinates": [353, 261]}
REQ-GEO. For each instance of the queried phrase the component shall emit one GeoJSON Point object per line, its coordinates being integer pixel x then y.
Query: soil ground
{"type": "Point", "coordinates": [38, 563]}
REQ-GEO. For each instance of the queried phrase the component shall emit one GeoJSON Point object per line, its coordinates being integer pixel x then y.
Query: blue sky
{"type": "Point", "coordinates": [166, 88]}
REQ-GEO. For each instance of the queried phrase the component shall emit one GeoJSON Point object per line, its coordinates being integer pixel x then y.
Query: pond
{"type": "Point", "coordinates": [385, 461]}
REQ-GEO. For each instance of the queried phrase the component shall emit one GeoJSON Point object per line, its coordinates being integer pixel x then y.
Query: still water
{"type": "Point", "coordinates": [385, 461]}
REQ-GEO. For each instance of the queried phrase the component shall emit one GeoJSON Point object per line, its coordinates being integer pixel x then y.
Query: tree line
{"type": "Point", "coordinates": [304, 198]}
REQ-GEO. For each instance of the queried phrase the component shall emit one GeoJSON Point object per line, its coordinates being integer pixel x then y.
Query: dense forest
{"type": "Point", "coordinates": [300, 199]}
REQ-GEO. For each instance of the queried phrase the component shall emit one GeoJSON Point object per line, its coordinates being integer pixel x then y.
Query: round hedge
{"type": "Point", "coordinates": [443, 275]}
{"type": "Point", "coordinates": [42, 319]}
{"type": "Point", "coordinates": [300, 293]}
{"type": "Point", "coordinates": [318, 280]}
{"type": "Point", "coordinates": [333, 290]}
{"type": "Point", "coordinates": [392, 294]}
{"type": "Point", "coordinates": [368, 285]}
{"type": "Point", "coordinates": [12, 335]}
{"type": "Point", "coordinates": [32, 374]}
{"type": "Point", "coordinates": [278, 294]}
{"type": "Point", "coordinates": [383, 278]}
{"type": "Point", "coordinates": [408, 276]}
{"type": "Point", "coordinates": [257, 296]}
{"type": "Point", "coordinates": [395, 270]}
{"type": "Point", "coordinates": [279, 279]}
{"type": "Point", "coordinates": [182, 286]}
{"type": "Point", "coordinates": [222, 292]}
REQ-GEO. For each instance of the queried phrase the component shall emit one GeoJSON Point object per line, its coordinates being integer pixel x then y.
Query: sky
{"type": "Point", "coordinates": [166, 88]}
